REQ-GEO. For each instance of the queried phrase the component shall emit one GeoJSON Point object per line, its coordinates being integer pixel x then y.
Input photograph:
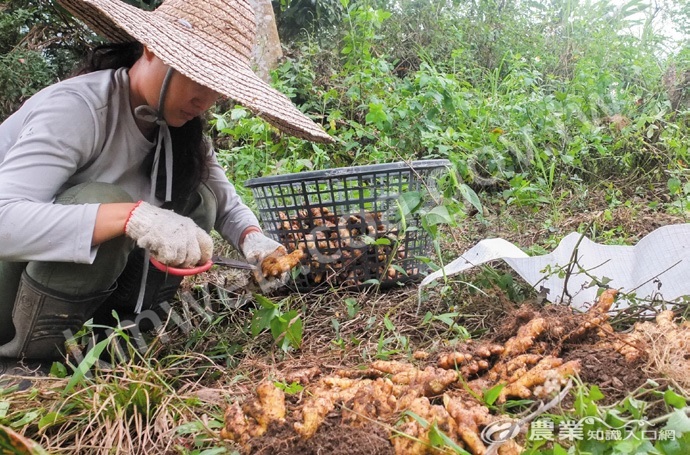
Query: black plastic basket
{"type": "Point", "coordinates": [348, 221]}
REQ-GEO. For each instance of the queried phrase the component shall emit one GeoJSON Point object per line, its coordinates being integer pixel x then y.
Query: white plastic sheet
{"type": "Point", "coordinates": [657, 267]}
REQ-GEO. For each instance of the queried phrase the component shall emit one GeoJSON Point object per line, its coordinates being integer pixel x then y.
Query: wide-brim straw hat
{"type": "Point", "coordinates": [209, 41]}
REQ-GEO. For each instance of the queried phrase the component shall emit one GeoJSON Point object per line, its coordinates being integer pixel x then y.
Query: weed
{"type": "Point", "coordinates": [285, 326]}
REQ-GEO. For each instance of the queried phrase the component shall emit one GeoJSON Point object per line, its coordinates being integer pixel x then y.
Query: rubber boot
{"type": "Point", "coordinates": [160, 287]}
{"type": "Point", "coordinates": [20, 374]}
{"type": "Point", "coordinates": [43, 319]}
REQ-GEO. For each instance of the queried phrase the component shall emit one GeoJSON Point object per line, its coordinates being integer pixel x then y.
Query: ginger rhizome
{"type": "Point", "coordinates": [410, 400]}
{"type": "Point", "coordinates": [276, 266]}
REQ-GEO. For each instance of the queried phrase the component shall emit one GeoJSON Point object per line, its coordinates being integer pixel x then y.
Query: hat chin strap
{"type": "Point", "coordinates": [149, 114]}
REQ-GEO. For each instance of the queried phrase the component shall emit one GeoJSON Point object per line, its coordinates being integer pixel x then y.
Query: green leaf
{"type": "Point", "coordinates": [632, 7]}
{"type": "Point", "coordinates": [4, 407]}
{"type": "Point", "coordinates": [221, 124]}
{"type": "Point", "coordinates": [439, 215]}
{"type": "Point", "coordinates": [29, 417]}
{"type": "Point", "coordinates": [278, 327]}
{"type": "Point", "coordinates": [368, 240]}
{"type": "Point", "coordinates": [399, 269]}
{"type": "Point", "coordinates": [673, 399]}
{"type": "Point", "coordinates": [439, 439]}
{"type": "Point", "coordinates": [376, 114]}
{"type": "Point", "coordinates": [410, 202]}
{"type": "Point", "coordinates": [215, 451]}
{"type": "Point", "coordinates": [420, 420]}
{"type": "Point", "coordinates": [85, 365]}
{"type": "Point", "coordinates": [238, 113]}
{"type": "Point", "coordinates": [58, 370]}
{"type": "Point", "coordinates": [633, 445]}
{"type": "Point", "coordinates": [352, 307]}
{"type": "Point", "coordinates": [584, 405]}
{"type": "Point", "coordinates": [447, 318]}
{"type": "Point", "coordinates": [261, 320]}
{"type": "Point", "coordinates": [287, 330]}
{"type": "Point", "coordinates": [265, 301]}
{"type": "Point", "coordinates": [595, 393]}
{"type": "Point", "coordinates": [559, 450]}
{"type": "Point", "coordinates": [679, 422]}
{"type": "Point", "coordinates": [192, 428]}
{"type": "Point", "coordinates": [675, 445]}
{"type": "Point", "coordinates": [470, 196]}
{"type": "Point", "coordinates": [50, 419]}
{"type": "Point", "coordinates": [387, 322]}
{"type": "Point", "coordinates": [492, 394]}
{"type": "Point", "coordinates": [290, 389]}
{"type": "Point", "coordinates": [674, 185]}
{"type": "Point", "coordinates": [294, 332]}
{"type": "Point", "coordinates": [635, 407]}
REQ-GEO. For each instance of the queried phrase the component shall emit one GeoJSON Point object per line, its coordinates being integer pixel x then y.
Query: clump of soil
{"type": "Point", "coordinates": [608, 369]}
{"type": "Point", "coordinates": [331, 438]}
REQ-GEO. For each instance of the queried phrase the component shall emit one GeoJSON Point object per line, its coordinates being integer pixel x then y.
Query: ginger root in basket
{"type": "Point", "coordinates": [276, 266]}
{"type": "Point", "coordinates": [318, 231]}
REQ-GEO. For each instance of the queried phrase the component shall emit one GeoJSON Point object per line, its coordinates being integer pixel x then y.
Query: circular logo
{"type": "Point", "coordinates": [500, 431]}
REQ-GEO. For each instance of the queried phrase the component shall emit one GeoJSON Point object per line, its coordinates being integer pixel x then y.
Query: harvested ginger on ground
{"type": "Point", "coordinates": [252, 418]}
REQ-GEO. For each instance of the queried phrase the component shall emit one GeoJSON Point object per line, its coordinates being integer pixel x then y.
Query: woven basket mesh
{"type": "Point", "coordinates": [348, 221]}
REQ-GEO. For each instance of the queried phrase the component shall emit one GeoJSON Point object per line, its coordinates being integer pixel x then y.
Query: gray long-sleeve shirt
{"type": "Point", "coordinates": [81, 130]}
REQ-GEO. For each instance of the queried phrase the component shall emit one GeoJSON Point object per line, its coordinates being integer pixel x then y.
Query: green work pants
{"type": "Point", "coordinates": [111, 258]}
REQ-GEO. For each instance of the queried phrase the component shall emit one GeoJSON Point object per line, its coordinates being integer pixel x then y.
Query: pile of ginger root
{"type": "Point", "coordinates": [445, 395]}
{"type": "Point", "coordinates": [320, 233]}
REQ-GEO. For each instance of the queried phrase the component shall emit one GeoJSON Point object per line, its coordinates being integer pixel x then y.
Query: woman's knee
{"type": "Point", "coordinates": [93, 192]}
{"type": "Point", "coordinates": [78, 279]}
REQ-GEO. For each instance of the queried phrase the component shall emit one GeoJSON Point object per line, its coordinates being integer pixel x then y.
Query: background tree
{"type": "Point", "coordinates": [39, 44]}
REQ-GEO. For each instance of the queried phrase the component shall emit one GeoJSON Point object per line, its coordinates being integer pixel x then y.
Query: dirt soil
{"type": "Point", "coordinates": [608, 370]}
{"type": "Point", "coordinates": [331, 438]}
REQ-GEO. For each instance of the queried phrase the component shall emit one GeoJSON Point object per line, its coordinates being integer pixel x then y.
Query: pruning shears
{"type": "Point", "coordinates": [215, 260]}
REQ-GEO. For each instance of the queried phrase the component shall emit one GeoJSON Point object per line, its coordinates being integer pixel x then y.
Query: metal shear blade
{"type": "Point", "coordinates": [234, 263]}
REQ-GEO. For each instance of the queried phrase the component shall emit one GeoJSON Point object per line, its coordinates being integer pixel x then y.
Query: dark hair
{"type": "Point", "coordinates": [189, 146]}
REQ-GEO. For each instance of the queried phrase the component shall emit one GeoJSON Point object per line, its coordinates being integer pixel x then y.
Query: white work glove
{"type": "Point", "coordinates": [257, 247]}
{"type": "Point", "coordinates": [172, 239]}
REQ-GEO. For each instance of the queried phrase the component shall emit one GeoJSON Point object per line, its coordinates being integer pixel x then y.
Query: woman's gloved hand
{"type": "Point", "coordinates": [256, 248]}
{"type": "Point", "coordinates": [172, 239]}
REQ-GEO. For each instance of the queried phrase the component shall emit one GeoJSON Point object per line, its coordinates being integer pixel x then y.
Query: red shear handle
{"type": "Point", "coordinates": [180, 271]}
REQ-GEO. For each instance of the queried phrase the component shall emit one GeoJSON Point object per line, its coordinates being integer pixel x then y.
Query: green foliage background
{"type": "Point", "coordinates": [521, 96]}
